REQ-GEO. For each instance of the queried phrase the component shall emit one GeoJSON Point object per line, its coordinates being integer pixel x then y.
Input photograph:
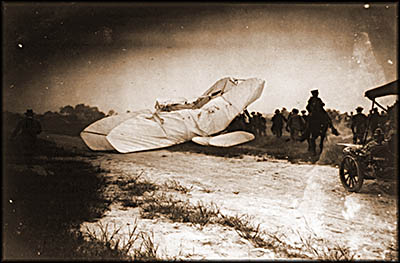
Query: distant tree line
{"type": "Point", "coordinates": [68, 120]}
{"type": "Point", "coordinates": [80, 112]}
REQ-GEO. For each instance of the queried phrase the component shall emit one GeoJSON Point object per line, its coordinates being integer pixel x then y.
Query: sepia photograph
{"type": "Point", "coordinates": [143, 131]}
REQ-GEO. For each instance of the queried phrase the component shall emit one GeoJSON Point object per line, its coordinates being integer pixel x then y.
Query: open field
{"type": "Point", "coordinates": [194, 202]}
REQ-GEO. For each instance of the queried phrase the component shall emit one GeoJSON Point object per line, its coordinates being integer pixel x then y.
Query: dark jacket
{"type": "Point", "coordinates": [359, 123]}
{"type": "Point", "coordinates": [277, 120]}
{"type": "Point", "coordinates": [295, 122]}
{"type": "Point", "coordinates": [314, 104]}
{"type": "Point", "coordinates": [27, 128]}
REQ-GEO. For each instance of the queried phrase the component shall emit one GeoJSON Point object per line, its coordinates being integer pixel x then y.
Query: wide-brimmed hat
{"type": "Point", "coordinates": [29, 112]}
{"type": "Point", "coordinates": [359, 108]}
{"type": "Point", "coordinates": [315, 91]}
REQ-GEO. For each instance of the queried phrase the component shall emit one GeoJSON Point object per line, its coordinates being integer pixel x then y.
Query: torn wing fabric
{"type": "Point", "coordinates": [221, 86]}
{"type": "Point", "coordinates": [95, 134]}
{"type": "Point", "coordinates": [176, 122]}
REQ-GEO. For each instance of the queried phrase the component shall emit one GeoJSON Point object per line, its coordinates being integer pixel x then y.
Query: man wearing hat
{"type": "Point", "coordinates": [314, 103]}
{"type": "Point", "coordinates": [359, 126]}
{"type": "Point", "coordinates": [27, 129]}
{"type": "Point", "coordinates": [374, 120]}
{"type": "Point", "coordinates": [277, 123]}
{"type": "Point", "coordinates": [315, 107]}
{"type": "Point", "coordinates": [295, 125]}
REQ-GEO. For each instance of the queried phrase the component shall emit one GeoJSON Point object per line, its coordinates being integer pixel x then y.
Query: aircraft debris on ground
{"type": "Point", "coordinates": [173, 123]}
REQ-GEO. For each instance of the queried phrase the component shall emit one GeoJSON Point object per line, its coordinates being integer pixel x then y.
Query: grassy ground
{"type": "Point", "coordinates": [279, 148]}
{"type": "Point", "coordinates": [158, 203]}
{"type": "Point", "coordinates": [44, 203]}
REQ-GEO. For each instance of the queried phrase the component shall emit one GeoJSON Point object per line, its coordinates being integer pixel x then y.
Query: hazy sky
{"type": "Point", "coordinates": [123, 56]}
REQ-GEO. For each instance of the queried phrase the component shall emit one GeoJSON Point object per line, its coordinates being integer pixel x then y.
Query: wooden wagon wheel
{"type": "Point", "coordinates": [350, 174]}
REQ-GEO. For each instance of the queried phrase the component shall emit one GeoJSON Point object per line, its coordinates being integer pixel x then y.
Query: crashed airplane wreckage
{"type": "Point", "coordinates": [177, 122]}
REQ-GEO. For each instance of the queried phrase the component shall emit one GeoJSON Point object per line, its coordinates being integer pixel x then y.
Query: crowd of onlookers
{"type": "Point", "coordinates": [374, 122]}
{"type": "Point", "coordinates": [253, 122]}
{"type": "Point", "coordinates": [256, 123]}
{"type": "Point", "coordinates": [295, 122]}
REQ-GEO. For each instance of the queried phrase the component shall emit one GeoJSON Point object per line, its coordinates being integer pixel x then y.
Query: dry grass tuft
{"type": "Point", "coordinates": [136, 186]}
{"type": "Point", "coordinates": [178, 210]}
{"type": "Point", "coordinates": [175, 185]}
{"type": "Point", "coordinates": [108, 244]}
{"type": "Point", "coordinates": [320, 249]}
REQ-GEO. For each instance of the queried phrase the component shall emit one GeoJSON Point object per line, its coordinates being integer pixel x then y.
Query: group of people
{"type": "Point", "coordinates": [375, 123]}
{"type": "Point", "coordinates": [297, 124]}
{"type": "Point", "coordinates": [253, 122]}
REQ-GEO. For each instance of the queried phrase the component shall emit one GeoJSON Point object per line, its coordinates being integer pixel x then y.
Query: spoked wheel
{"type": "Point", "coordinates": [350, 174]}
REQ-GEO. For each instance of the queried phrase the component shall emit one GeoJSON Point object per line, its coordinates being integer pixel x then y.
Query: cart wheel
{"type": "Point", "coordinates": [350, 174]}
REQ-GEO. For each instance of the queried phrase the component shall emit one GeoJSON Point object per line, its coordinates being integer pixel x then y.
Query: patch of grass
{"type": "Point", "coordinates": [178, 210]}
{"type": "Point", "coordinates": [147, 249]}
{"type": "Point", "coordinates": [111, 247]}
{"type": "Point", "coordinates": [202, 214]}
{"type": "Point", "coordinates": [175, 185]}
{"type": "Point", "coordinates": [133, 188]}
{"type": "Point", "coordinates": [322, 250]}
{"type": "Point", "coordinates": [316, 248]}
{"type": "Point", "coordinates": [244, 228]}
{"type": "Point", "coordinates": [258, 237]}
{"type": "Point", "coordinates": [139, 188]}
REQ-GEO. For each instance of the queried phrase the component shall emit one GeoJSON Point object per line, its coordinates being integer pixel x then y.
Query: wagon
{"type": "Point", "coordinates": [375, 158]}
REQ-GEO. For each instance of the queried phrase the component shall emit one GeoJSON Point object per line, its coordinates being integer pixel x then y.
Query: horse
{"type": "Point", "coordinates": [317, 126]}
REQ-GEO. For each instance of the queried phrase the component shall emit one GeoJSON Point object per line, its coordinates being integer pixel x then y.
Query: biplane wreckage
{"type": "Point", "coordinates": [176, 122]}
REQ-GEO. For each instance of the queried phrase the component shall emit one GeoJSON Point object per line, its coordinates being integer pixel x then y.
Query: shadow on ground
{"type": "Point", "coordinates": [264, 147]}
{"type": "Point", "coordinates": [45, 199]}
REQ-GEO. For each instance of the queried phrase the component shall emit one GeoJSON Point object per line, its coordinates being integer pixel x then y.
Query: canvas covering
{"type": "Point", "coordinates": [176, 122]}
{"type": "Point", "coordinates": [391, 88]}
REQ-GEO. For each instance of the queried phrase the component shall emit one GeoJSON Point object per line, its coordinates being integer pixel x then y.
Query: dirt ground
{"type": "Point", "coordinates": [288, 200]}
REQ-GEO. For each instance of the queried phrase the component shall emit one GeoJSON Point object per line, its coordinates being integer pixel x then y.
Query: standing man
{"type": "Point", "coordinates": [295, 125]}
{"type": "Point", "coordinates": [26, 131]}
{"type": "Point", "coordinates": [277, 123]}
{"type": "Point", "coordinates": [374, 120]}
{"type": "Point", "coordinates": [359, 126]}
{"type": "Point", "coordinates": [263, 125]}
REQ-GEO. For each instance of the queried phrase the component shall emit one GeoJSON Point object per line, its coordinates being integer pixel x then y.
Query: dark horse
{"type": "Point", "coordinates": [317, 125]}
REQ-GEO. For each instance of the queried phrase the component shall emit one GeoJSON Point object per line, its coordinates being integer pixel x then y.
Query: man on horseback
{"type": "Point", "coordinates": [318, 121]}
{"type": "Point", "coordinates": [316, 106]}
{"type": "Point", "coordinates": [314, 103]}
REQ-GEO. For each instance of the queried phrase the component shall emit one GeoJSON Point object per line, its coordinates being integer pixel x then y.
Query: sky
{"type": "Point", "coordinates": [126, 55]}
